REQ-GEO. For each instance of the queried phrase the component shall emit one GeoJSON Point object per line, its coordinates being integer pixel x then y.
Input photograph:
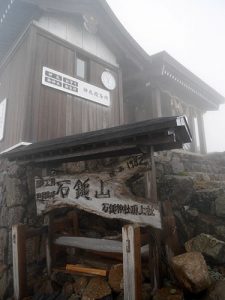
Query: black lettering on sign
{"type": "Point", "coordinates": [136, 161]}
{"type": "Point", "coordinates": [102, 194]}
{"type": "Point", "coordinates": [82, 189]}
{"type": "Point", "coordinates": [136, 210]}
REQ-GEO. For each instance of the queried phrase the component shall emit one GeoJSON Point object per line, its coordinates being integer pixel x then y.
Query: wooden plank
{"type": "Point", "coordinates": [131, 262]}
{"type": "Point", "coordinates": [86, 270]}
{"type": "Point", "coordinates": [105, 193]}
{"type": "Point", "coordinates": [19, 260]}
{"type": "Point", "coordinates": [98, 245]}
{"type": "Point", "coordinates": [155, 257]}
{"type": "Point", "coordinates": [48, 220]}
{"type": "Point", "coordinates": [101, 245]}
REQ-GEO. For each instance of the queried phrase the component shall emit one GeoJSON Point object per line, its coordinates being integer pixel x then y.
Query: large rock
{"type": "Point", "coordinates": [115, 277]}
{"type": "Point", "coordinates": [191, 271]}
{"type": "Point", "coordinates": [97, 288]}
{"type": "Point", "coordinates": [220, 206]}
{"type": "Point", "coordinates": [204, 200]}
{"type": "Point", "coordinates": [179, 189]}
{"type": "Point", "coordinates": [217, 291]}
{"type": "Point", "coordinates": [79, 286]}
{"type": "Point", "coordinates": [210, 247]}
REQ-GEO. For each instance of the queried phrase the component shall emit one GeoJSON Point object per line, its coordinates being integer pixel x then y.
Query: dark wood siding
{"type": "Point", "coordinates": [55, 113]}
{"type": "Point", "coordinates": [36, 112]}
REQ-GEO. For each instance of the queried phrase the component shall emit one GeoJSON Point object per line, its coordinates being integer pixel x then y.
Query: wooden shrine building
{"type": "Point", "coordinates": [69, 67]}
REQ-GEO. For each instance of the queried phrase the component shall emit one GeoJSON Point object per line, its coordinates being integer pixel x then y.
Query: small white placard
{"type": "Point", "coordinates": [2, 117]}
{"type": "Point", "coordinates": [74, 86]}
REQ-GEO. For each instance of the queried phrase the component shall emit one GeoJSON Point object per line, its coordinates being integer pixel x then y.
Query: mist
{"type": "Point", "coordinates": [193, 32]}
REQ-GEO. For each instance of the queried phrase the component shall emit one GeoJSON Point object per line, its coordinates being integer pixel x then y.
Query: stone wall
{"type": "Point", "coordinates": [16, 206]}
{"type": "Point", "coordinates": [195, 185]}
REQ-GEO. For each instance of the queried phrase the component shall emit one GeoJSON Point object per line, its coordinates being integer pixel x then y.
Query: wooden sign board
{"type": "Point", "coordinates": [105, 193]}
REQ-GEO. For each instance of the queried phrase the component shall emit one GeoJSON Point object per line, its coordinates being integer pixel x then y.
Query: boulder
{"type": "Point", "coordinates": [216, 292]}
{"type": "Point", "coordinates": [97, 288]}
{"type": "Point", "coordinates": [79, 286]}
{"type": "Point", "coordinates": [191, 271]}
{"type": "Point", "coordinates": [212, 248]}
{"type": "Point", "coordinates": [115, 277]}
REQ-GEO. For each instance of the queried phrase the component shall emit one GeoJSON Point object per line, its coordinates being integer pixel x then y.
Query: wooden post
{"type": "Point", "coordinates": [131, 262]}
{"type": "Point", "coordinates": [192, 127]}
{"type": "Point", "coordinates": [49, 241]}
{"type": "Point", "coordinates": [19, 260]}
{"type": "Point", "coordinates": [154, 234]}
{"type": "Point", "coordinates": [201, 132]}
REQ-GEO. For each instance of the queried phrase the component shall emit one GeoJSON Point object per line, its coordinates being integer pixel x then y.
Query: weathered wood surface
{"type": "Point", "coordinates": [131, 262]}
{"type": "Point", "coordinates": [19, 260]}
{"type": "Point", "coordinates": [99, 245]}
{"type": "Point", "coordinates": [86, 270]}
{"type": "Point", "coordinates": [105, 193]}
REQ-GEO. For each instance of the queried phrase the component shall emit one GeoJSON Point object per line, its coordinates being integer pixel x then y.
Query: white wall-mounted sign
{"type": "Point", "coordinates": [74, 86]}
{"type": "Point", "coordinates": [2, 117]}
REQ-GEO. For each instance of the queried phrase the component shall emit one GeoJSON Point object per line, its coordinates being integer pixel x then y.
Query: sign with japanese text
{"type": "Point", "coordinates": [104, 193]}
{"type": "Point", "coordinates": [74, 86]}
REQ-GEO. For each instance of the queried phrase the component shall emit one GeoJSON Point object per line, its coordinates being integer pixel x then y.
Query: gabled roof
{"type": "Point", "coordinates": [161, 133]}
{"type": "Point", "coordinates": [170, 71]}
{"type": "Point", "coordinates": [18, 14]}
{"type": "Point", "coordinates": [15, 16]}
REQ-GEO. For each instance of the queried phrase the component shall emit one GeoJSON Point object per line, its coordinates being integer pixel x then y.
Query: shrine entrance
{"type": "Point", "coordinates": [108, 173]}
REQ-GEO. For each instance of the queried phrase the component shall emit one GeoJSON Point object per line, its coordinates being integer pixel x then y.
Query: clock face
{"type": "Point", "coordinates": [108, 80]}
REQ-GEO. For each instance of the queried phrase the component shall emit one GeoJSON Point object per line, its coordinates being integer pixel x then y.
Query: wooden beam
{"type": "Point", "coordinates": [101, 245]}
{"type": "Point", "coordinates": [132, 262]}
{"type": "Point", "coordinates": [19, 260]}
{"type": "Point", "coordinates": [86, 270]}
{"type": "Point", "coordinates": [49, 242]}
{"type": "Point", "coordinates": [155, 258]}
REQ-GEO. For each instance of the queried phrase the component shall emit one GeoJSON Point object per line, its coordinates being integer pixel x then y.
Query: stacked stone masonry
{"type": "Point", "coordinates": [195, 184]}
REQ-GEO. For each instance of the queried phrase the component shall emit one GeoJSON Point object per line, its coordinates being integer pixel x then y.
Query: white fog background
{"type": "Point", "coordinates": [193, 32]}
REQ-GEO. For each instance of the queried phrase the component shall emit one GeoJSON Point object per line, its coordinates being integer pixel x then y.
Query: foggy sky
{"type": "Point", "coordinates": [193, 32]}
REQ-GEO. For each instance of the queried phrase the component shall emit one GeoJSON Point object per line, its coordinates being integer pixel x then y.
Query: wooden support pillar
{"type": "Point", "coordinates": [156, 103]}
{"type": "Point", "coordinates": [201, 131]}
{"type": "Point", "coordinates": [154, 234]}
{"type": "Point", "coordinates": [19, 261]}
{"type": "Point", "coordinates": [155, 257]}
{"type": "Point", "coordinates": [132, 262]}
{"type": "Point", "coordinates": [49, 242]}
{"type": "Point", "coordinates": [191, 120]}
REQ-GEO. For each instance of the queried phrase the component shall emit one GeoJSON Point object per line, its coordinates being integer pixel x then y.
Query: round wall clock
{"type": "Point", "coordinates": [108, 80]}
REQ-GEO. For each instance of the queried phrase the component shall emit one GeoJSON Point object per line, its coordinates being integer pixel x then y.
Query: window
{"type": "Point", "coordinates": [81, 68]}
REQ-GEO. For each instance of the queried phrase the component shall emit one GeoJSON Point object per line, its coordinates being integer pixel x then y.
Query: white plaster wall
{"type": "Point", "coordinates": [71, 30]}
